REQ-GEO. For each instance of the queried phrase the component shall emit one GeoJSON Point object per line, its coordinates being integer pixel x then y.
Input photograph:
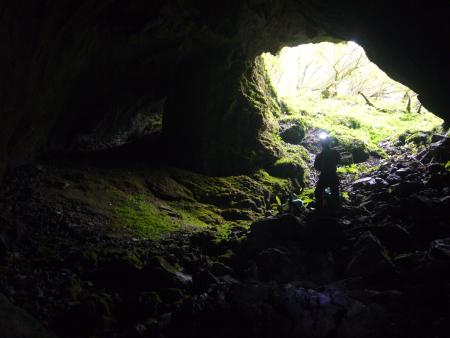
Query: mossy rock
{"type": "Point", "coordinates": [234, 214]}
{"type": "Point", "coordinates": [360, 153]}
{"type": "Point", "coordinates": [418, 138]}
{"type": "Point", "coordinates": [287, 168]}
{"type": "Point", "coordinates": [292, 133]}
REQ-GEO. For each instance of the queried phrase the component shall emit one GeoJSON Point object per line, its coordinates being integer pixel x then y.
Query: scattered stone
{"type": "Point", "coordinates": [403, 172]}
{"type": "Point", "coordinates": [389, 237]}
{"type": "Point", "coordinates": [161, 274]}
{"type": "Point", "coordinates": [440, 249]}
{"type": "Point", "coordinates": [362, 180]}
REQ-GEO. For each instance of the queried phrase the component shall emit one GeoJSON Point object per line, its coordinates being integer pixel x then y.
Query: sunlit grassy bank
{"type": "Point", "coordinates": [335, 87]}
{"type": "Point", "coordinates": [350, 120]}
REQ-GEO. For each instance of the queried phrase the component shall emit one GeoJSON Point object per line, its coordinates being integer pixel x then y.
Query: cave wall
{"type": "Point", "coordinates": [70, 69]}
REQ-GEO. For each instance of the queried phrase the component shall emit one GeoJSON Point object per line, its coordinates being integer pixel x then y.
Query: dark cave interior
{"type": "Point", "coordinates": [127, 126]}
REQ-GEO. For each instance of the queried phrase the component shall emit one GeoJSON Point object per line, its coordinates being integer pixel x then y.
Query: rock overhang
{"type": "Point", "coordinates": [85, 65]}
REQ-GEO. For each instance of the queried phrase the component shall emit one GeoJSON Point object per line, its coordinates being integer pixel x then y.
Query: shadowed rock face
{"type": "Point", "coordinates": [74, 73]}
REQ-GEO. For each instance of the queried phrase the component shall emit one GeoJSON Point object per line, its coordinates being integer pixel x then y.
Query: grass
{"type": "Point", "coordinates": [350, 120]}
{"type": "Point", "coordinates": [356, 169]}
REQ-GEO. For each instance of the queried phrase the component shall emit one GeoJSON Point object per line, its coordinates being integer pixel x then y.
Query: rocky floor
{"type": "Point", "coordinates": [377, 267]}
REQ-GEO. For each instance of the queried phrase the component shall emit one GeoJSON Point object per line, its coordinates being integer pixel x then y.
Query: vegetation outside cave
{"type": "Point", "coordinates": [336, 88]}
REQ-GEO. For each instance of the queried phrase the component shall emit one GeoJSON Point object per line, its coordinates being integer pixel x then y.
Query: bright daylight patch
{"type": "Point", "coordinates": [335, 88]}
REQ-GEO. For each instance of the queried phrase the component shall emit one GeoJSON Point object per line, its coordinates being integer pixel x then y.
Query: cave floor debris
{"type": "Point", "coordinates": [379, 267]}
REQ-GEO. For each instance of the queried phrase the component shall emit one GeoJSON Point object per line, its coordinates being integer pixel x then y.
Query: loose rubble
{"type": "Point", "coordinates": [378, 267]}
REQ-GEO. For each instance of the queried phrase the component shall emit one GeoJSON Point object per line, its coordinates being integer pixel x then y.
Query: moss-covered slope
{"type": "Point", "coordinates": [154, 202]}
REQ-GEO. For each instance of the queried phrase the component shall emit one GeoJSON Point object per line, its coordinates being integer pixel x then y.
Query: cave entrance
{"type": "Point", "coordinates": [336, 88]}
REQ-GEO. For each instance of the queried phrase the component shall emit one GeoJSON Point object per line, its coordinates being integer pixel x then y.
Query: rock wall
{"type": "Point", "coordinates": [68, 69]}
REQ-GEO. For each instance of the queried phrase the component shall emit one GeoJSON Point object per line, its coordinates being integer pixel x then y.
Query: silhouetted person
{"type": "Point", "coordinates": [326, 162]}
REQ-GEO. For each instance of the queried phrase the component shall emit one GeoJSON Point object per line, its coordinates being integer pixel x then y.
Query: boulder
{"type": "Point", "coordinates": [369, 259]}
{"type": "Point", "coordinates": [323, 234]}
{"type": "Point", "coordinates": [440, 250]}
{"type": "Point", "coordinates": [360, 154]}
{"type": "Point", "coordinates": [219, 269]}
{"type": "Point", "coordinates": [275, 264]}
{"type": "Point", "coordinates": [394, 237]}
{"type": "Point", "coordinates": [330, 312]}
{"type": "Point", "coordinates": [320, 267]}
{"type": "Point", "coordinates": [405, 189]}
{"type": "Point", "coordinates": [362, 181]}
{"type": "Point", "coordinates": [160, 274]}
{"type": "Point", "coordinates": [284, 227]}
{"type": "Point", "coordinates": [393, 179]}
{"type": "Point", "coordinates": [172, 296]}
{"type": "Point", "coordinates": [149, 303]}
{"type": "Point", "coordinates": [403, 172]}
{"type": "Point", "coordinates": [117, 270]}
{"type": "Point", "coordinates": [287, 168]}
{"type": "Point", "coordinates": [439, 180]}
{"type": "Point", "coordinates": [203, 279]}
{"type": "Point", "coordinates": [292, 133]}
{"type": "Point", "coordinates": [418, 138]}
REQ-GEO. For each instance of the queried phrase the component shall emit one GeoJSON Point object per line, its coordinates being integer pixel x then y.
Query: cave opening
{"type": "Point", "coordinates": [334, 88]}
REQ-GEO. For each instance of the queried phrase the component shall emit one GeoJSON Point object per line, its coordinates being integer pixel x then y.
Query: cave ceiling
{"type": "Point", "coordinates": [67, 67]}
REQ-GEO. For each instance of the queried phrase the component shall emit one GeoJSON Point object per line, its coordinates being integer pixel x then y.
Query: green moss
{"type": "Point", "coordinates": [292, 162]}
{"type": "Point", "coordinates": [141, 217]}
{"type": "Point", "coordinates": [351, 121]}
{"type": "Point", "coordinates": [154, 202]}
{"type": "Point", "coordinates": [259, 90]}
{"type": "Point", "coordinates": [287, 168]}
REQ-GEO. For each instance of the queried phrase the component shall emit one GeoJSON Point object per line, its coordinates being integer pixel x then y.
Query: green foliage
{"type": "Point", "coordinates": [356, 169]}
{"type": "Point", "coordinates": [319, 85]}
{"type": "Point", "coordinates": [307, 195]}
{"type": "Point", "coordinates": [278, 200]}
{"type": "Point", "coordinates": [447, 165]}
{"type": "Point", "coordinates": [349, 169]}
